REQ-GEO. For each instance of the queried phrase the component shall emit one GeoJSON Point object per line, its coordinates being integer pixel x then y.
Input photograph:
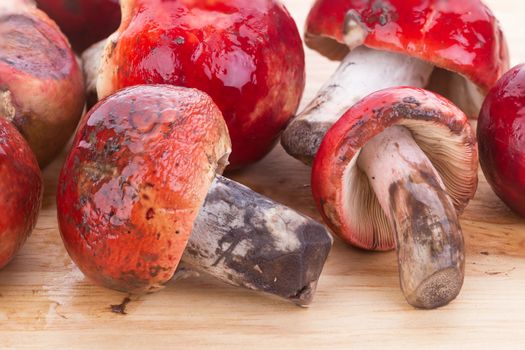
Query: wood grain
{"type": "Point", "coordinates": [46, 303]}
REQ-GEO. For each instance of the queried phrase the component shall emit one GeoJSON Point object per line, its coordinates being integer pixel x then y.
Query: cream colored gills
{"type": "Point", "coordinates": [362, 72]}
{"type": "Point", "coordinates": [422, 215]}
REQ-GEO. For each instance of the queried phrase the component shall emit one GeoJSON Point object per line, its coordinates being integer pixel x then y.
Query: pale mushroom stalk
{"type": "Point", "coordinates": [91, 60]}
{"type": "Point", "coordinates": [245, 239]}
{"type": "Point", "coordinates": [410, 191]}
{"type": "Point", "coordinates": [362, 72]}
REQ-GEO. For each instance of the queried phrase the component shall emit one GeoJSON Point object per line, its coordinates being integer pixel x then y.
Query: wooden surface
{"type": "Point", "coordinates": [45, 302]}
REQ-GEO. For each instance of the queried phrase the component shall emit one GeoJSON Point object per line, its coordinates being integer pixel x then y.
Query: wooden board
{"type": "Point", "coordinates": [46, 303]}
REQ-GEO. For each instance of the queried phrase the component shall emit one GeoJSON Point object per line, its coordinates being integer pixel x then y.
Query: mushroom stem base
{"type": "Point", "coordinates": [429, 240]}
{"type": "Point", "coordinates": [245, 239]}
{"type": "Point", "coordinates": [362, 72]}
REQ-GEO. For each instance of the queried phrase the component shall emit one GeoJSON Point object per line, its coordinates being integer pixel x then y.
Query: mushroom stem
{"type": "Point", "coordinates": [429, 240]}
{"type": "Point", "coordinates": [245, 239]}
{"type": "Point", "coordinates": [91, 61]}
{"type": "Point", "coordinates": [362, 72]}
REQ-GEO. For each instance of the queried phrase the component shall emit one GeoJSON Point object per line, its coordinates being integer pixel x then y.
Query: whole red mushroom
{"type": "Point", "coordinates": [246, 54]}
{"type": "Point", "coordinates": [141, 190]}
{"type": "Point", "coordinates": [396, 171]}
{"type": "Point", "coordinates": [501, 134]}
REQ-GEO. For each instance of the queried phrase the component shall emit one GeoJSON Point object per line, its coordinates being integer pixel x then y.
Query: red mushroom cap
{"type": "Point", "coordinates": [460, 36]}
{"type": "Point", "coordinates": [342, 191]}
{"type": "Point", "coordinates": [20, 191]}
{"type": "Point", "coordinates": [41, 84]}
{"type": "Point", "coordinates": [84, 22]}
{"type": "Point", "coordinates": [246, 54]}
{"type": "Point", "coordinates": [501, 135]}
{"type": "Point", "coordinates": [133, 184]}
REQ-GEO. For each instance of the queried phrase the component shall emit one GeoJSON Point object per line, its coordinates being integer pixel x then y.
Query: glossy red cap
{"type": "Point", "coordinates": [246, 54]}
{"type": "Point", "coordinates": [501, 135]}
{"type": "Point", "coordinates": [460, 36]}
{"type": "Point", "coordinates": [20, 191]}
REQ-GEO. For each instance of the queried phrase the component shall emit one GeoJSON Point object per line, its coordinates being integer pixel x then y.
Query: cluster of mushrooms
{"type": "Point", "coordinates": [179, 91]}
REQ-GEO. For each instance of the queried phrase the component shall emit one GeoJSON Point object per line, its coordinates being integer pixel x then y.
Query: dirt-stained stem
{"type": "Point", "coordinates": [429, 240]}
{"type": "Point", "coordinates": [245, 239]}
{"type": "Point", "coordinates": [362, 72]}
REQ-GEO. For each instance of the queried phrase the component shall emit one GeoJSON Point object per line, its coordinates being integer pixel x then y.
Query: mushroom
{"type": "Point", "coordinates": [246, 54]}
{"type": "Point", "coordinates": [390, 43]}
{"type": "Point", "coordinates": [501, 139]}
{"type": "Point", "coordinates": [84, 22]}
{"type": "Point", "coordinates": [140, 184]}
{"type": "Point", "coordinates": [395, 172]}
{"type": "Point", "coordinates": [41, 83]}
{"type": "Point", "coordinates": [21, 191]}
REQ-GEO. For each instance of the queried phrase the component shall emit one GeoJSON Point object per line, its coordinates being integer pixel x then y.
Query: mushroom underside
{"type": "Point", "coordinates": [450, 155]}
{"type": "Point", "coordinates": [454, 86]}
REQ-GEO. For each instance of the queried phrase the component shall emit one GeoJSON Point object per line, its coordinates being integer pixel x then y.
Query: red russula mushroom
{"type": "Point", "coordinates": [41, 83]}
{"type": "Point", "coordinates": [246, 54]}
{"type": "Point", "coordinates": [84, 22]}
{"type": "Point", "coordinates": [396, 171]}
{"type": "Point", "coordinates": [388, 43]}
{"type": "Point", "coordinates": [140, 184]}
{"type": "Point", "coordinates": [20, 191]}
{"type": "Point", "coordinates": [501, 135]}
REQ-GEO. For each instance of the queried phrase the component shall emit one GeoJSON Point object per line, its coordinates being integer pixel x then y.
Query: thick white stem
{"type": "Point", "coordinates": [91, 61]}
{"type": "Point", "coordinates": [361, 73]}
{"type": "Point", "coordinates": [428, 234]}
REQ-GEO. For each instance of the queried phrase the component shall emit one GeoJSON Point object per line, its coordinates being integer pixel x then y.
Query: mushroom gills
{"type": "Point", "coordinates": [245, 239]}
{"type": "Point", "coordinates": [460, 90]}
{"type": "Point", "coordinates": [429, 240]}
{"type": "Point", "coordinates": [362, 72]}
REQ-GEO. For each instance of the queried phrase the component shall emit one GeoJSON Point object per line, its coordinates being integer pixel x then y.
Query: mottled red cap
{"type": "Point", "coordinates": [342, 191]}
{"type": "Point", "coordinates": [41, 84]}
{"type": "Point", "coordinates": [460, 36]}
{"type": "Point", "coordinates": [133, 184]}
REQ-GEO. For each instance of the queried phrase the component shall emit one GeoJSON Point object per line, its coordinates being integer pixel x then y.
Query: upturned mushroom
{"type": "Point", "coordinates": [501, 138]}
{"type": "Point", "coordinates": [246, 54]}
{"type": "Point", "coordinates": [140, 184]}
{"type": "Point", "coordinates": [388, 43]}
{"type": "Point", "coordinates": [41, 83]}
{"type": "Point", "coordinates": [20, 191]}
{"type": "Point", "coordinates": [395, 172]}
{"type": "Point", "coordinates": [84, 22]}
